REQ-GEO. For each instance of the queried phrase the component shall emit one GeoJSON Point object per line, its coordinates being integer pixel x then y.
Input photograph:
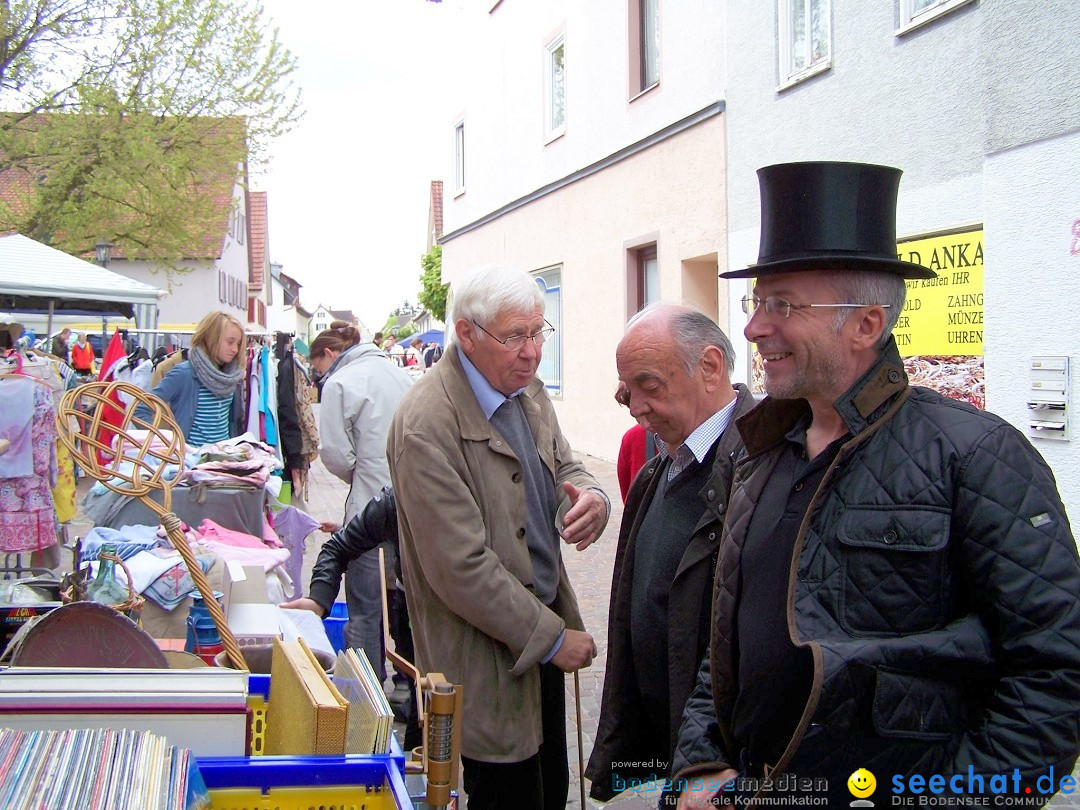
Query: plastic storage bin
{"type": "Point", "coordinates": [335, 625]}
{"type": "Point", "coordinates": [305, 783]}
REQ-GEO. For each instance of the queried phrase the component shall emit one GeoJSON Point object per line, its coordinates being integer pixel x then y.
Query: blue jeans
{"type": "Point", "coordinates": [363, 592]}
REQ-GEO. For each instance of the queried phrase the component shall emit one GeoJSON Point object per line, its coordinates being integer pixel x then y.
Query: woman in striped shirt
{"type": "Point", "coordinates": [203, 392]}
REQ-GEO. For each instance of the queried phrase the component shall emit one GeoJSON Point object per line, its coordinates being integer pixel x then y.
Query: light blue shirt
{"type": "Point", "coordinates": [487, 396]}
{"type": "Point", "coordinates": [699, 442]}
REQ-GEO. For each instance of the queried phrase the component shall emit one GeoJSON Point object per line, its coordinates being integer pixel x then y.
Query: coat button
{"type": "Point", "coordinates": [521, 532]}
{"type": "Point", "coordinates": [516, 477]}
{"type": "Point", "coordinates": [498, 443]}
{"type": "Point", "coordinates": [711, 495]}
{"type": "Point", "coordinates": [890, 537]}
{"type": "Point", "coordinates": [894, 376]}
{"type": "Point", "coordinates": [799, 487]}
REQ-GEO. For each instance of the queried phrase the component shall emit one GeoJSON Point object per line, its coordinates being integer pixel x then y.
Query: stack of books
{"type": "Point", "coordinates": [306, 714]}
{"type": "Point", "coordinates": [94, 768]}
{"type": "Point", "coordinates": [309, 714]}
{"type": "Point", "coordinates": [370, 718]}
{"type": "Point", "coordinates": [201, 709]}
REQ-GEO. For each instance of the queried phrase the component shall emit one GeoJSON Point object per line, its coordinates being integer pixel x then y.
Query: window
{"type": "Point", "coordinates": [644, 28]}
{"type": "Point", "coordinates": [550, 370]}
{"type": "Point", "coordinates": [805, 47]}
{"type": "Point", "coordinates": [555, 87]}
{"type": "Point", "coordinates": [914, 13]}
{"type": "Point", "coordinates": [642, 273]}
{"type": "Point", "coordinates": [459, 156]}
{"type": "Point", "coordinates": [648, 277]}
{"type": "Point", "coordinates": [650, 43]}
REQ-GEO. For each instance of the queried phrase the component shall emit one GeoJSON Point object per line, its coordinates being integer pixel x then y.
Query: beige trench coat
{"type": "Point", "coordinates": [464, 558]}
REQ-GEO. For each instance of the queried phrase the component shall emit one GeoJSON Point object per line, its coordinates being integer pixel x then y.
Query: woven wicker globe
{"type": "Point", "coordinates": [134, 468]}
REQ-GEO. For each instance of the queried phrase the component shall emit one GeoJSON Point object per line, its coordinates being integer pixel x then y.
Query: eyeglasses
{"type": "Point", "coordinates": [515, 343]}
{"type": "Point", "coordinates": [782, 307]}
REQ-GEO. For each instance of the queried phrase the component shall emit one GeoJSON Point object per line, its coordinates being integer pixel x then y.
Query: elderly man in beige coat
{"type": "Point", "coordinates": [481, 469]}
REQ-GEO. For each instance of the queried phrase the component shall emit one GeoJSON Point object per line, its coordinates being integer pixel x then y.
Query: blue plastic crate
{"type": "Point", "coordinates": [334, 625]}
{"type": "Point", "coordinates": [298, 783]}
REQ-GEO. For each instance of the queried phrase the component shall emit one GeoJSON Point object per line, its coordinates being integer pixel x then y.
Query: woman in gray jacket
{"type": "Point", "coordinates": [360, 392]}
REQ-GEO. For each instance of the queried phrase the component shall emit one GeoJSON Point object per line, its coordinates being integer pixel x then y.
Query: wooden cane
{"type": "Point", "coordinates": [137, 468]}
{"type": "Point", "coordinates": [580, 747]}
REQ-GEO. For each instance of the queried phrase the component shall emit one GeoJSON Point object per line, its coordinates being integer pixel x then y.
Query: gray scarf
{"type": "Point", "coordinates": [221, 382]}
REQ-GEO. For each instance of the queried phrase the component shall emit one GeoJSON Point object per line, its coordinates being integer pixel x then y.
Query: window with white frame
{"type": "Point", "coordinates": [805, 40]}
{"type": "Point", "coordinates": [459, 156]}
{"type": "Point", "coordinates": [550, 370]}
{"type": "Point", "coordinates": [914, 13]}
{"type": "Point", "coordinates": [647, 271]}
{"type": "Point", "coordinates": [555, 86]}
{"type": "Point", "coordinates": [649, 18]}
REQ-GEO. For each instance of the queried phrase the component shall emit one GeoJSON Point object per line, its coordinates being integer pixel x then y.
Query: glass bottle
{"type": "Point", "coordinates": [105, 587]}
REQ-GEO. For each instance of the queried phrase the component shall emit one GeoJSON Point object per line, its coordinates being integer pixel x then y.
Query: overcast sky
{"type": "Point", "coordinates": [348, 189]}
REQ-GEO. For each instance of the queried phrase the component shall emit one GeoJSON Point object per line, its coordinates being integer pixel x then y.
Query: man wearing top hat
{"type": "Point", "coordinates": [897, 582]}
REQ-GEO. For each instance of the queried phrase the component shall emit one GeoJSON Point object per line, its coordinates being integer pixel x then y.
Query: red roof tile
{"type": "Point", "coordinates": [436, 208]}
{"type": "Point", "coordinates": [256, 227]}
{"type": "Point", "coordinates": [218, 182]}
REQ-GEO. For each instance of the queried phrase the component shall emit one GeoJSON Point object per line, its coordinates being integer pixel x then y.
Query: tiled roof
{"type": "Point", "coordinates": [256, 226]}
{"type": "Point", "coordinates": [219, 182]}
{"type": "Point", "coordinates": [343, 315]}
{"type": "Point", "coordinates": [436, 207]}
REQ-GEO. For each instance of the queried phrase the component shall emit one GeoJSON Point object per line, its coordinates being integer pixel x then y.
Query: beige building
{"type": "Point", "coordinates": [589, 150]}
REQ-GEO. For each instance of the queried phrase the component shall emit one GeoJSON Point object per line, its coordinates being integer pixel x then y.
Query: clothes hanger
{"type": "Point", "coordinates": [18, 372]}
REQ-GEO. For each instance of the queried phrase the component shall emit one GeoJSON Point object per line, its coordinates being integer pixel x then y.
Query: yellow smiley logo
{"type": "Point", "coordinates": [861, 783]}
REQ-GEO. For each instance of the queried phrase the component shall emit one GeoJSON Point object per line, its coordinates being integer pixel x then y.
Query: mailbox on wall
{"type": "Point", "coordinates": [1048, 398]}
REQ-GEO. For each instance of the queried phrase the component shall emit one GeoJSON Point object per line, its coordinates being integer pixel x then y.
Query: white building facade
{"type": "Point", "coordinates": [588, 149]}
{"type": "Point", "coordinates": [214, 282]}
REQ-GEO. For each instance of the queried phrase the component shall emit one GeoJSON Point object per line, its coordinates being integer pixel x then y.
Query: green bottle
{"type": "Point", "coordinates": [105, 587]}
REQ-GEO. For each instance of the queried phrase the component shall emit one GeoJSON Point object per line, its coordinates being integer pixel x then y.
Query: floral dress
{"type": "Point", "coordinates": [27, 516]}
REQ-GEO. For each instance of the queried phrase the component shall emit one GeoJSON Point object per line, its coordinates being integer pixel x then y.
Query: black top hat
{"type": "Point", "coordinates": [823, 215]}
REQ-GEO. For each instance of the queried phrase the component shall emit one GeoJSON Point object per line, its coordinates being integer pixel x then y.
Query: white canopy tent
{"type": "Point", "coordinates": [37, 278]}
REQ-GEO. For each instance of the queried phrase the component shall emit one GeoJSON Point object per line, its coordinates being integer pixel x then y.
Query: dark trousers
{"type": "Point", "coordinates": [401, 632]}
{"type": "Point", "coordinates": [540, 782]}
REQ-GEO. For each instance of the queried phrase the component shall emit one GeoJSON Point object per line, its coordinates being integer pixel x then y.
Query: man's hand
{"type": "Point", "coordinates": [329, 526]}
{"type": "Point", "coordinates": [585, 519]}
{"type": "Point", "coordinates": [576, 652]}
{"type": "Point", "coordinates": [701, 799]}
{"type": "Point", "coordinates": [305, 604]}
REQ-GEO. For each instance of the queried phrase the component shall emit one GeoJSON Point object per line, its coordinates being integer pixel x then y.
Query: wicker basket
{"type": "Point", "coordinates": [130, 607]}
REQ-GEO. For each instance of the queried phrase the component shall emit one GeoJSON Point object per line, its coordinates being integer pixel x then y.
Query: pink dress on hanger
{"type": "Point", "coordinates": [27, 516]}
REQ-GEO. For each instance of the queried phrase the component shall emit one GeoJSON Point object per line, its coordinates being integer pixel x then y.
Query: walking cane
{"type": "Point", "coordinates": [580, 751]}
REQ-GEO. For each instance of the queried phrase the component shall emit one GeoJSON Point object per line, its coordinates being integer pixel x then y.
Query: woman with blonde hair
{"type": "Point", "coordinates": [203, 392]}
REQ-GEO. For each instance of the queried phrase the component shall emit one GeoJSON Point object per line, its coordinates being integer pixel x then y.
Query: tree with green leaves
{"type": "Point", "coordinates": [132, 120]}
{"type": "Point", "coordinates": [433, 294]}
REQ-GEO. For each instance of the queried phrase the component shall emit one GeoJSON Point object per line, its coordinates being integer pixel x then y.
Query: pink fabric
{"type": "Point", "coordinates": [27, 517]}
{"type": "Point", "coordinates": [269, 535]}
{"type": "Point", "coordinates": [268, 558]}
{"type": "Point", "coordinates": [218, 533]}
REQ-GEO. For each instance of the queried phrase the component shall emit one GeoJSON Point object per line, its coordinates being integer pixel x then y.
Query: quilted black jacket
{"type": "Point", "coordinates": [935, 583]}
{"type": "Point", "coordinates": [376, 523]}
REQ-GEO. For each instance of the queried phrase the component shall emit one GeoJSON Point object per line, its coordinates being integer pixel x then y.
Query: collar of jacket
{"type": "Point", "coordinates": [714, 495]}
{"type": "Point", "coordinates": [351, 355]}
{"type": "Point", "coordinates": [860, 406]}
{"type": "Point", "coordinates": [474, 425]}
{"type": "Point", "coordinates": [715, 491]}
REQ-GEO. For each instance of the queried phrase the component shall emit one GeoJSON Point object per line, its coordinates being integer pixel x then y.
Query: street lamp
{"type": "Point", "coordinates": [103, 248]}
